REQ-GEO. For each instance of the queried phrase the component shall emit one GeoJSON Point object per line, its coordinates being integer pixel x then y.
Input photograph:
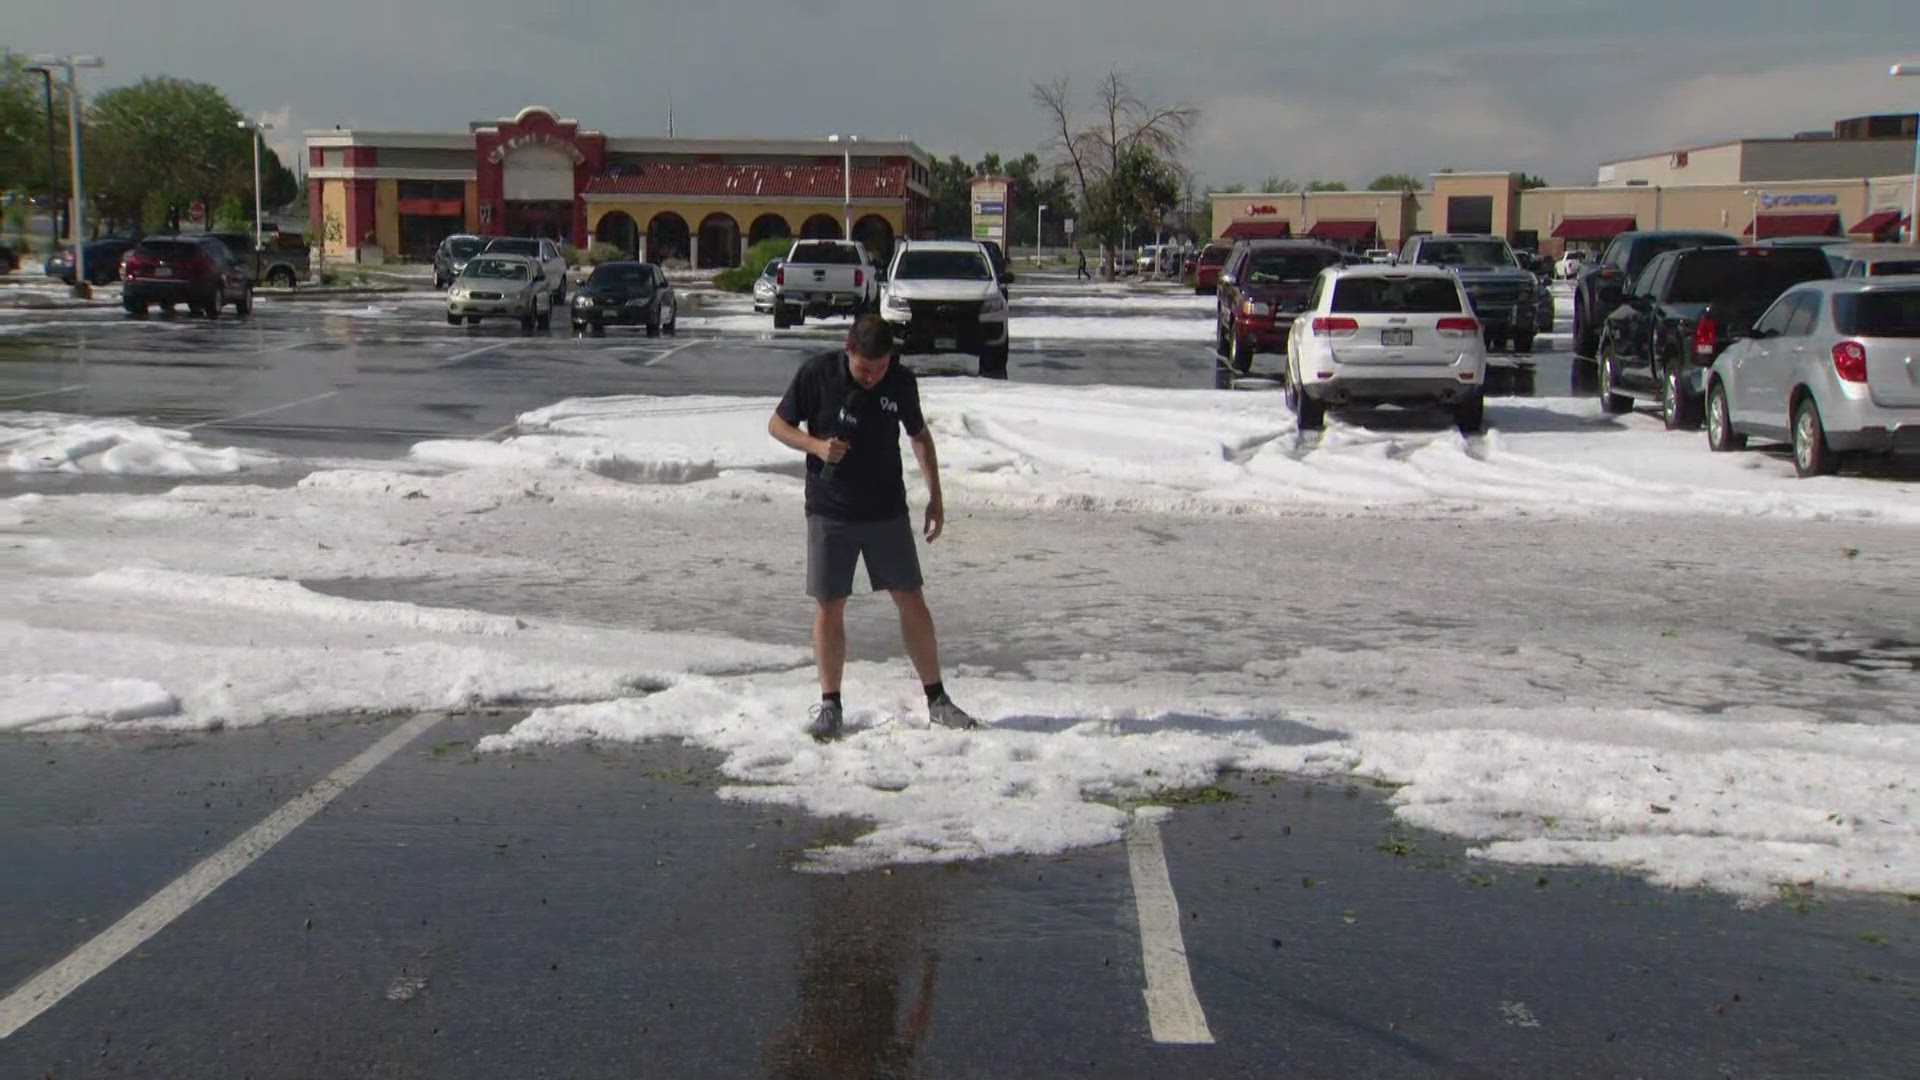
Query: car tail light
{"type": "Point", "coordinates": [780, 276]}
{"type": "Point", "coordinates": [1850, 361]}
{"type": "Point", "coordinates": [1455, 324]}
{"type": "Point", "coordinates": [859, 278]}
{"type": "Point", "coordinates": [1705, 334]}
{"type": "Point", "coordinates": [1333, 326]}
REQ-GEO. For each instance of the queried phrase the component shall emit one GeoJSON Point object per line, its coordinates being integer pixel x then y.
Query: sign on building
{"type": "Point", "coordinates": [991, 195]}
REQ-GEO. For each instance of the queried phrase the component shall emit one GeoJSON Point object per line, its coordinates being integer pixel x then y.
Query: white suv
{"type": "Point", "coordinates": [942, 296]}
{"type": "Point", "coordinates": [1386, 335]}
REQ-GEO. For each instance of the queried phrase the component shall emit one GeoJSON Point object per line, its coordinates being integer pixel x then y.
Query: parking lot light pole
{"type": "Point", "coordinates": [1913, 188]}
{"type": "Point", "coordinates": [259, 128]}
{"type": "Point", "coordinates": [1038, 232]}
{"type": "Point", "coordinates": [72, 64]}
{"type": "Point", "coordinates": [846, 173]}
{"type": "Point", "coordinates": [53, 163]}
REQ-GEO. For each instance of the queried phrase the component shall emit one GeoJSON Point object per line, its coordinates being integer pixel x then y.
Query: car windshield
{"type": "Point", "coordinates": [825, 254]}
{"type": "Point", "coordinates": [1644, 251]}
{"type": "Point", "coordinates": [1419, 296]}
{"type": "Point", "coordinates": [1213, 256]}
{"type": "Point", "coordinates": [465, 247]}
{"type": "Point", "coordinates": [1894, 266]}
{"type": "Point", "coordinates": [773, 267]}
{"type": "Point", "coordinates": [529, 248]}
{"type": "Point", "coordinates": [1268, 267]}
{"type": "Point", "coordinates": [1704, 277]}
{"type": "Point", "coordinates": [1892, 313]}
{"type": "Point", "coordinates": [622, 277]}
{"type": "Point", "coordinates": [1471, 254]}
{"type": "Point", "coordinates": [498, 269]}
{"type": "Point", "coordinates": [943, 265]}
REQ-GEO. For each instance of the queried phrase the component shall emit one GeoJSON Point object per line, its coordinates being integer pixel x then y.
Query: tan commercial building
{"type": "Point", "coordinates": [1749, 188]}
{"type": "Point", "coordinates": [704, 201]}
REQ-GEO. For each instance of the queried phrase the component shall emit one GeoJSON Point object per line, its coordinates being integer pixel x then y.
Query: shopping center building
{"type": "Point", "coordinates": [701, 200]}
{"type": "Point", "coordinates": [1856, 181]}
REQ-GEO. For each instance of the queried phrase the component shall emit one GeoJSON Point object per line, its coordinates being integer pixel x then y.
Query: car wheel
{"type": "Point", "coordinates": [136, 308]}
{"type": "Point", "coordinates": [167, 310]}
{"type": "Point", "coordinates": [1610, 403]}
{"type": "Point", "coordinates": [544, 320]}
{"type": "Point", "coordinates": [1676, 408]}
{"type": "Point", "coordinates": [1222, 374]}
{"type": "Point", "coordinates": [473, 320]}
{"type": "Point", "coordinates": [781, 320]}
{"type": "Point", "coordinates": [282, 277]}
{"type": "Point", "coordinates": [672, 325]}
{"type": "Point", "coordinates": [1242, 356]}
{"type": "Point", "coordinates": [1470, 416]}
{"type": "Point", "coordinates": [599, 328]}
{"type": "Point", "coordinates": [653, 327]}
{"type": "Point", "coordinates": [212, 310]}
{"type": "Point", "coordinates": [526, 324]}
{"type": "Point", "coordinates": [1310, 415]}
{"type": "Point", "coordinates": [243, 307]}
{"type": "Point", "coordinates": [1586, 339]}
{"type": "Point", "coordinates": [1811, 454]}
{"type": "Point", "coordinates": [453, 320]}
{"type": "Point", "coordinates": [993, 362]}
{"type": "Point", "coordinates": [1720, 434]}
{"type": "Point", "coordinates": [1523, 344]}
{"type": "Point", "coordinates": [560, 294]}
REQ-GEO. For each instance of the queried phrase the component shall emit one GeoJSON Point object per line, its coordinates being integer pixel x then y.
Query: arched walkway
{"type": "Point", "coordinates": [768, 227]}
{"type": "Point", "coordinates": [876, 234]}
{"type": "Point", "coordinates": [719, 242]}
{"type": "Point", "coordinates": [668, 238]}
{"type": "Point", "coordinates": [619, 229]}
{"type": "Point", "coordinates": [820, 227]}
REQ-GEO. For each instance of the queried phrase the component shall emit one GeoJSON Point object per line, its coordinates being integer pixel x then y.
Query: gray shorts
{"type": "Point", "coordinates": [893, 562]}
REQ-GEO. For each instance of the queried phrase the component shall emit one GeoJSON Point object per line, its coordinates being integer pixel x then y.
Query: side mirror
{"type": "Point", "coordinates": [1229, 279]}
{"type": "Point", "coordinates": [1008, 277]}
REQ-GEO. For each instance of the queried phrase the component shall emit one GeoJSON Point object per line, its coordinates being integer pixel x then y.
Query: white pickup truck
{"type": "Point", "coordinates": [824, 277]}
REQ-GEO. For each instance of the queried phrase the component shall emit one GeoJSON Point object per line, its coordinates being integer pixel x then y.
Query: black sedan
{"type": "Point", "coordinates": [626, 294]}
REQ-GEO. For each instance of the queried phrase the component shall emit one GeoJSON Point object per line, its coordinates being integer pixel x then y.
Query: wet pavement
{"type": "Point", "coordinates": [598, 912]}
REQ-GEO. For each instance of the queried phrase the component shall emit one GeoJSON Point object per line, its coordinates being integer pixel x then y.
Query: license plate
{"type": "Point", "coordinates": [1396, 337]}
{"type": "Point", "coordinates": [946, 343]}
{"type": "Point", "coordinates": [162, 271]}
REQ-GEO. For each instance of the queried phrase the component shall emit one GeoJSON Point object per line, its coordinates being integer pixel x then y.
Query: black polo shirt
{"type": "Point", "coordinates": [867, 484]}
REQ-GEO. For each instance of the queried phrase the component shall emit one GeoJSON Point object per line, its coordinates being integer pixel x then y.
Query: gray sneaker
{"type": "Point", "coordinates": [944, 712]}
{"type": "Point", "coordinates": [823, 721]}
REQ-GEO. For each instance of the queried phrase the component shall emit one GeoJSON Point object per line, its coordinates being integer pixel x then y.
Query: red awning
{"type": "Point", "coordinates": [1878, 222]}
{"type": "Point", "coordinates": [1772, 225]}
{"type": "Point", "coordinates": [1341, 229]}
{"type": "Point", "coordinates": [1594, 228]}
{"type": "Point", "coordinates": [1258, 230]}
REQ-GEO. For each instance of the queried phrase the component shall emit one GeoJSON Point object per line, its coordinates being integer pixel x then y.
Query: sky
{"type": "Point", "coordinates": [1307, 91]}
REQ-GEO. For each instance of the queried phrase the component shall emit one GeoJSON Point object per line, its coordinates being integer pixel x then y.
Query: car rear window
{"type": "Point", "coordinates": [1644, 251]}
{"type": "Point", "coordinates": [1893, 313]}
{"type": "Point", "coordinates": [1894, 266]}
{"type": "Point", "coordinates": [465, 249]}
{"type": "Point", "coordinates": [1414, 296]}
{"type": "Point", "coordinates": [1753, 274]}
{"type": "Point", "coordinates": [1267, 267]}
{"type": "Point", "coordinates": [943, 265]}
{"type": "Point", "coordinates": [530, 248]}
{"type": "Point", "coordinates": [170, 249]}
{"type": "Point", "coordinates": [1213, 256]}
{"type": "Point", "coordinates": [625, 276]}
{"type": "Point", "coordinates": [1470, 254]}
{"type": "Point", "coordinates": [827, 254]}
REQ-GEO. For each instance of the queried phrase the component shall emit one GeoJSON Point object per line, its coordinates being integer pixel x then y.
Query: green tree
{"type": "Point", "coordinates": [1275, 184]}
{"type": "Point", "coordinates": [949, 187]}
{"type": "Point", "coordinates": [1035, 185]}
{"type": "Point", "coordinates": [1326, 185]}
{"type": "Point", "coordinates": [162, 144]}
{"type": "Point", "coordinates": [1396, 182]}
{"type": "Point", "coordinates": [1122, 161]}
{"type": "Point", "coordinates": [23, 129]}
{"type": "Point", "coordinates": [1528, 182]}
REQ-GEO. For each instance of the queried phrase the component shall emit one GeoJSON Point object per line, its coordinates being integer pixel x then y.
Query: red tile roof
{"type": "Point", "coordinates": [751, 181]}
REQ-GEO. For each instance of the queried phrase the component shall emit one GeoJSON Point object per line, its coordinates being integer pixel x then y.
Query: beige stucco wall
{"type": "Point", "coordinates": [1708, 165]}
{"type": "Point", "coordinates": [744, 212]}
{"type": "Point", "coordinates": [386, 215]}
{"type": "Point", "coordinates": [333, 204]}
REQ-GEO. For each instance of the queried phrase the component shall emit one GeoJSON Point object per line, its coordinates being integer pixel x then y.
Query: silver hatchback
{"type": "Point", "coordinates": [1832, 367]}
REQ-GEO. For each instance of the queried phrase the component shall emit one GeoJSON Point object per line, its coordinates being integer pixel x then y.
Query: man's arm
{"type": "Point", "coordinates": [923, 452]}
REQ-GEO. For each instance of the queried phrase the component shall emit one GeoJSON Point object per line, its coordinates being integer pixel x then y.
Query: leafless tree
{"type": "Point", "coordinates": [1122, 124]}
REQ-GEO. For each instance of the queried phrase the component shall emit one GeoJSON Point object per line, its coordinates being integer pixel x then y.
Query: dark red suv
{"type": "Point", "coordinates": [1263, 285]}
{"type": "Point", "coordinates": [197, 271]}
{"type": "Point", "coordinates": [1206, 272]}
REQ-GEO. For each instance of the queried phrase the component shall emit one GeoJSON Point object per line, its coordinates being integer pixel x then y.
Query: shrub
{"type": "Point", "coordinates": [598, 253]}
{"type": "Point", "coordinates": [740, 278]}
{"type": "Point", "coordinates": [571, 254]}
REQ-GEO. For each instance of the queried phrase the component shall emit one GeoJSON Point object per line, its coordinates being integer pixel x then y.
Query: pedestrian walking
{"type": "Point", "coordinates": [854, 402]}
{"type": "Point", "coordinates": [1081, 274]}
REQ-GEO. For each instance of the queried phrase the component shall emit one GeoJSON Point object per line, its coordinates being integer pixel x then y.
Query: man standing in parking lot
{"type": "Point", "coordinates": [1081, 274]}
{"type": "Point", "coordinates": [854, 402]}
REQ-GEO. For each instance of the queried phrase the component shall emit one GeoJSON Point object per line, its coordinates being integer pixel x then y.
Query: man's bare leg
{"type": "Point", "coordinates": [916, 630]}
{"type": "Point", "coordinates": [830, 642]}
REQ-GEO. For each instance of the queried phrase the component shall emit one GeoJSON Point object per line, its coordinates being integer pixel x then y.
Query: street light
{"type": "Point", "coordinates": [71, 63]}
{"type": "Point", "coordinates": [1913, 189]}
{"type": "Point", "coordinates": [1038, 231]}
{"type": "Point", "coordinates": [846, 172]}
{"type": "Point", "coordinates": [53, 164]}
{"type": "Point", "coordinates": [259, 129]}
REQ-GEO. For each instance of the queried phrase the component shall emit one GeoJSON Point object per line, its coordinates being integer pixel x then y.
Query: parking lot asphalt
{"type": "Point", "coordinates": [369, 377]}
{"type": "Point", "coordinates": [597, 912]}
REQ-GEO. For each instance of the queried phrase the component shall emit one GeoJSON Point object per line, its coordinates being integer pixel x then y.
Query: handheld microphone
{"type": "Point", "coordinates": [847, 424]}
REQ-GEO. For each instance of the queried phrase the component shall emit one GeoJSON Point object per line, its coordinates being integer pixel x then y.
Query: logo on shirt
{"type": "Point", "coordinates": [890, 405]}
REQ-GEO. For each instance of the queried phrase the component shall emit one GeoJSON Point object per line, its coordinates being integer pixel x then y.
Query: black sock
{"type": "Point", "coordinates": [832, 698]}
{"type": "Point", "coordinates": [936, 691]}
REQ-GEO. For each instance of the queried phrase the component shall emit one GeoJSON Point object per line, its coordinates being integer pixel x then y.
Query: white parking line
{"type": "Point", "coordinates": [46, 393]}
{"type": "Point", "coordinates": [499, 431]}
{"type": "Point", "coordinates": [48, 988]}
{"type": "Point", "coordinates": [1173, 1009]}
{"type": "Point", "coordinates": [669, 352]}
{"type": "Point", "coordinates": [261, 412]}
{"type": "Point", "coordinates": [471, 353]}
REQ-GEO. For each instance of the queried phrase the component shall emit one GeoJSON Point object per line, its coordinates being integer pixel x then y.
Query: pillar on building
{"type": "Point", "coordinates": [743, 247]}
{"type": "Point", "coordinates": [693, 248]}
